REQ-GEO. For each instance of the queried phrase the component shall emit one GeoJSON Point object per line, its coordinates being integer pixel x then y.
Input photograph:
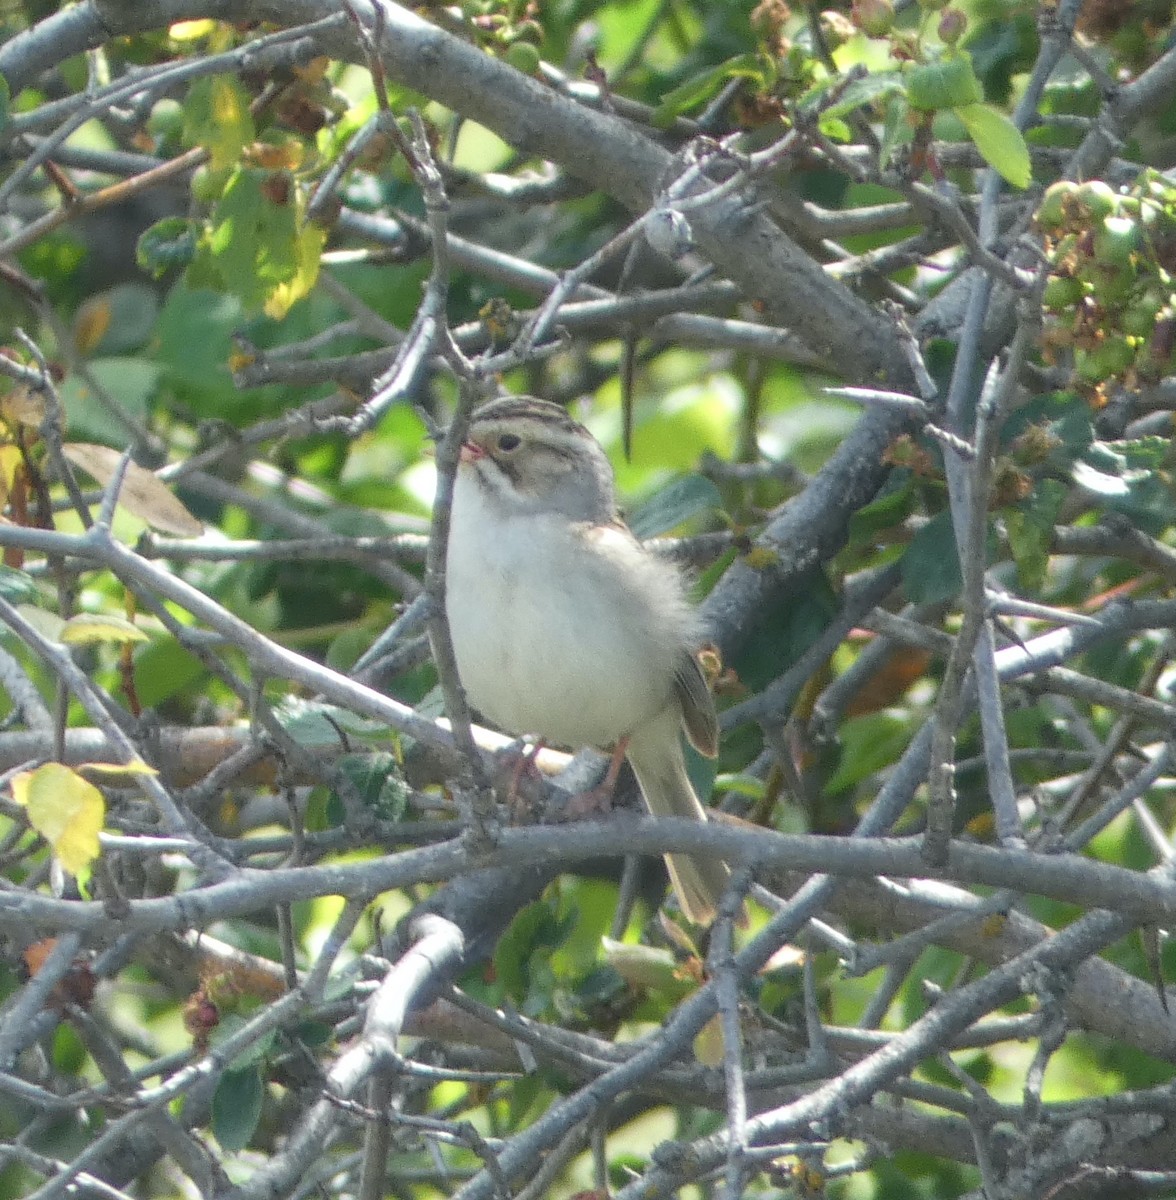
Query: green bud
{"type": "Point", "coordinates": [1116, 242]}
{"type": "Point", "coordinates": [1062, 292]}
{"type": "Point", "coordinates": [1054, 212]}
{"type": "Point", "coordinates": [523, 57]}
{"type": "Point", "coordinates": [1096, 199]}
{"type": "Point", "coordinates": [875, 18]}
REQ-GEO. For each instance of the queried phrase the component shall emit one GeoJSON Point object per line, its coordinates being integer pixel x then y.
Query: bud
{"type": "Point", "coordinates": [951, 26]}
{"type": "Point", "coordinates": [874, 18]}
{"type": "Point", "coordinates": [837, 28]}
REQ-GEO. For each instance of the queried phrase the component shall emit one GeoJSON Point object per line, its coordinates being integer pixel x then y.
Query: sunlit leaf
{"type": "Point", "coordinates": [999, 141]}
{"type": "Point", "coordinates": [308, 249]}
{"type": "Point", "coordinates": [119, 771]}
{"type": "Point", "coordinates": [701, 87]}
{"type": "Point", "coordinates": [861, 92]}
{"type": "Point", "coordinates": [216, 116]}
{"type": "Point", "coordinates": [647, 968]}
{"type": "Point", "coordinates": [48, 624]}
{"type": "Point", "coordinates": [946, 83]}
{"type": "Point", "coordinates": [65, 809]}
{"type": "Point", "coordinates": [87, 628]}
{"type": "Point", "coordinates": [708, 1043]}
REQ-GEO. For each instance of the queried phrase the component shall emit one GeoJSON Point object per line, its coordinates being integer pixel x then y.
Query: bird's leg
{"type": "Point", "coordinates": [598, 799]}
{"type": "Point", "coordinates": [523, 767]}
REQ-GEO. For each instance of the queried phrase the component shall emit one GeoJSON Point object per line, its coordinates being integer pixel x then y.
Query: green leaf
{"type": "Point", "coordinates": [837, 129]}
{"type": "Point", "coordinates": [861, 92]}
{"type": "Point", "coordinates": [379, 781]}
{"type": "Point", "coordinates": [868, 744]}
{"type": "Point", "coordinates": [166, 244]}
{"type": "Point", "coordinates": [1146, 453]}
{"type": "Point", "coordinates": [236, 1108]}
{"type": "Point", "coordinates": [897, 131]}
{"type": "Point", "coordinates": [783, 632]}
{"type": "Point", "coordinates": [217, 117]}
{"type": "Point", "coordinates": [308, 250]}
{"type": "Point", "coordinates": [701, 87]}
{"type": "Point", "coordinates": [5, 100]}
{"type": "Point", "coordinates": [256, 1052]}
{"type": "Point", "coordinates": [311, 723]}
{"type": "Point", "coordinates": [523, 956]}
{"type": "Point", "coordinates": [315, 1033]}
{"type": "Point", "coordinates": [17, 587]}
{"type": "Point", "coordinates": [131, 379]}
{"type": "Point", "coordinates": [889, 510]}
{"type": "Point", "coordinates": [133, 309]}
{"type": "Point", "coordinates": [1029, 526]}
{"type": "Point", "coordinates": [999, 141]}
{"type": "Point", "coordinates": [948, 83]}
{"type": "Point", "coordinates": [254, 245]}
{"type": "Point", "coordinates": [931, 564]}
{"type": "Point", "coordinates": [687, 497]}
{"type": "Point", "coordinates": [164, 669]}
{"type": "Point", "coordinates": [647, 968]}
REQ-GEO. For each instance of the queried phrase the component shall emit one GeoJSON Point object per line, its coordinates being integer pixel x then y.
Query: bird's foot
{"type": "Point", "coordinates": [597, 801]}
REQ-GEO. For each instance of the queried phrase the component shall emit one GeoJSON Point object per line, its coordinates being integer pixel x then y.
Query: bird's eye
{"type": "Point", "coordinates": [508, 442]}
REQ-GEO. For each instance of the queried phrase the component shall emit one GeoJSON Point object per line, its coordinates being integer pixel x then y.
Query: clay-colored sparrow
{"type": "Point", "coordinates": [564, 626]}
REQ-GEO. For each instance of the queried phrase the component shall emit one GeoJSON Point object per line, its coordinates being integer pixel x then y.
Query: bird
{"type": "Point", "coordinates": [565, 627]}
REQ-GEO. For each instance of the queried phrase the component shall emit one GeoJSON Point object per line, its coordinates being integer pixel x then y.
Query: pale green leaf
{"type": "Point", "coordinates": [999, 141]}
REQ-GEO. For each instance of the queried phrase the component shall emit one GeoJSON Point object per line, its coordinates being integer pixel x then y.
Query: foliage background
{"type": "Point", "coordinates": [305, 953]}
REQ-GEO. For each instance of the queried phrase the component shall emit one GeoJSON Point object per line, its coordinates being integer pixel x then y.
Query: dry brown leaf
{"type": "Point", "coordinates": [142, 493]}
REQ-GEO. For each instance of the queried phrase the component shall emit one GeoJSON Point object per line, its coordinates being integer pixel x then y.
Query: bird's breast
{"type": "Point", "coordinates": [548, 639]}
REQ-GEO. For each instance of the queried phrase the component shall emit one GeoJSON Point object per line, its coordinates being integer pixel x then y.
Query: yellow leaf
{"type": "Point", "coordinates": [284, 296]}
{"type": "Point", "coordinates": [276, 156]}
{"type": "Point", "coordinates": [86, 628]}
{"type": "Point", "coordinates": [646, 968]}
{"type": "Point", "coordinates": [65, 810]}
{"type": "Point", "coordinates": [10, 461]}
{"type": "Point", "coordinates": [760, 558]}
{"type": "Point", "coordinates": [117, 771]}
{"type": "Point", "coordinates": [312, 72]}
{"type": "Point", "coordinates": [708, 1043]}
{"type": "Point", "coordinates": [191, 31]}
{"type": "Point", "coordinates": [23, 407]}
{"type": "Point", "coordinates": [91, 322]}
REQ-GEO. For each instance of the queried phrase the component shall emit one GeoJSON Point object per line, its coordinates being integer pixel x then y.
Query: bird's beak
{"type": "Point", "coordinates": [471, 452]}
